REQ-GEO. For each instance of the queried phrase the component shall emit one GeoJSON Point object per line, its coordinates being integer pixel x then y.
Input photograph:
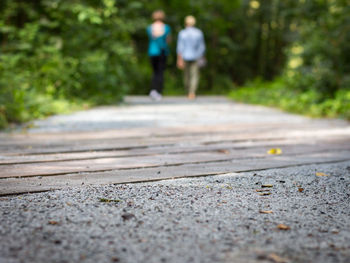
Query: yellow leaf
{"type": "Point", "coordinates": [274, 151]}
{"type": "Point", "coordinates": [265, 212]}
{"type": "Point", "coordinates": [321, 174]}
{"type": "Point", "coordinates": [283, 227]}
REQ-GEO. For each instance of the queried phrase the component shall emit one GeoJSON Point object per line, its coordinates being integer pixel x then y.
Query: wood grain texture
{"type": "Point", "coordinates": [31, 162]}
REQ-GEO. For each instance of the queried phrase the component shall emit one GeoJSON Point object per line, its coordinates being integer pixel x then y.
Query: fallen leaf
{"type": "Point", "coordinates": [277, 259]}
{"type": "Point", "coordinates": [274, 151]}
{"type": "Point", "coordinates": [283, 227]}
{"type": "Point", "coordinates": [266, 193]}
{"type": "Point", "coordinates": [105, 200]}
{"type": "Point", "coordinates": [272, 257]}
{"type": "Point", "coordinates": [321, 174]}
{"type": "Point", "coordinates": [224, 151]}
{"type": "Point", "coordinates": [266, 185]}
{"type": "Point", "coordinates": [265, 212]}
{"type": "Point", "coordinates": [115, 259]}
{"type": "Point", "coordinates": [53, 222]}
{"type": "Point", "coordinates": [263, 190]}
{"type": "Point", "coordinates": [127, 216]}
{"type": "Point", "coordinates": [335, 231]}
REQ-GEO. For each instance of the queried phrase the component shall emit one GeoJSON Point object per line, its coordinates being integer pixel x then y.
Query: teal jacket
{"type": "Point", "coordinates": [158, 44]}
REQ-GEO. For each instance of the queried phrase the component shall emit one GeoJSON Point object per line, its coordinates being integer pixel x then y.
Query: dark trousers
{"type": "Point", "coordinates": [158, 65]}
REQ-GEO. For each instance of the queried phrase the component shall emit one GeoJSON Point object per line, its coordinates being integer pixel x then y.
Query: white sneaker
{"type": "Point", "coordinates": [158, 97]}
{"type": "Point", "coordinates": [155, 95]}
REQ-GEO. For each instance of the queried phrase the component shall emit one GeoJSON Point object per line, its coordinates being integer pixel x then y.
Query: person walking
{"type": "Point", "coordinates": [158, 50]}
{"type": "Point", "coordinates": [190, 50]}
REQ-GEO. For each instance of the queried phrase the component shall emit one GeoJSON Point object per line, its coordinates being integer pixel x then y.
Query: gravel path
{"type": "Point", "coordinates": [296, 214]}
{"type": "Point", "coordinates": [139, 112]}
{"type": "Point", "coordinates": [211, 219]}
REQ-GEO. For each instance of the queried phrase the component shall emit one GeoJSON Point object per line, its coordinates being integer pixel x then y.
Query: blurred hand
{"type": "Point", "coordinates": [180, 63]}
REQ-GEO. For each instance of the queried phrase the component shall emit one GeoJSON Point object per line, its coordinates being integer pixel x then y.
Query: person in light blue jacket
{"type": "Point", "coordinates": [158, 50]}
{"type": "Point", "coordinates": [190, 50]}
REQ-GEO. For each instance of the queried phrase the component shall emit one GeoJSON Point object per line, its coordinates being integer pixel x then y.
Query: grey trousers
{"type": "Point", "coordinates": [191, 76]}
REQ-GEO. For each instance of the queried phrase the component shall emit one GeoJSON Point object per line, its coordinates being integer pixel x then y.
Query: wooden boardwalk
{"type": "Point", "coordinates": [42, 161]}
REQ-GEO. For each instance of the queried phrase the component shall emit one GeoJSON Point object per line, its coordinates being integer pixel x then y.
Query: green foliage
{"type": "Point", "coordinates": [322, 51]}
{"type": "Point", "coordinates": [316, 78]}
{"type": "Point", "coordinates": [277, 93]}
{"type": "Point", "coordinates": [57, 54]}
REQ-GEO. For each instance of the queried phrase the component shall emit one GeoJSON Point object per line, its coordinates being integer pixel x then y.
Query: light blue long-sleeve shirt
{"type": "Point", "coordinates": [190, 44]}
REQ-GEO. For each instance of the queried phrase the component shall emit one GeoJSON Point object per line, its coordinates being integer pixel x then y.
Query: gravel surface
{"type": "Point", "coordinates": [276, 215]}
{"type": "Point", "coordinates": [208, 219]}
{"type": "Point", "coordinates": [138, 112]}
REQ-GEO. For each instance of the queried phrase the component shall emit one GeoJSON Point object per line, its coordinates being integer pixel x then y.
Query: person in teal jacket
{"type": "Point", "coordinates": [158, 50]}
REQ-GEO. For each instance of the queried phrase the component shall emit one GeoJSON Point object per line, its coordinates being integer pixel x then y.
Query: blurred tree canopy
{"type": "Point", "coordinates": [55, 52]}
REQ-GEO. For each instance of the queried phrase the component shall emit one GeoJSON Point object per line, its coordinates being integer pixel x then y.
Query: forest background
{"type": "Point", "coordinates": [61, 55]}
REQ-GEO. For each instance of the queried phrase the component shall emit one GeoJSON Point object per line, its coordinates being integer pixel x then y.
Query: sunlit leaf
{"type": "Point", "coordinates": [274, 151]}
{"type": "Point", "coordinates": [283, 227]}
{"type": "Point", "coordinates": [321, 174]}
{"type": "Point", "coordinates": [265, 212]}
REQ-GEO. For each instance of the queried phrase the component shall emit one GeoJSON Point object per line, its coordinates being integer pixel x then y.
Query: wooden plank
{"type": "Point", "coordinates": [122, 135]}
{"type": "Point", "coordinates": [139, 133]}
{"type": "Point", "coordinates": [38, 158]}
{"type": "Point", "coordinates": [105, 164]}
{"type": "Point", "coordinates": [126, 144]}
{"type": "Point", "coordinates": [34, 184]}
{"type": "Point", "coordinates": [132, 133]}
{"type": "Point", "coordinates": [41, 161]}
